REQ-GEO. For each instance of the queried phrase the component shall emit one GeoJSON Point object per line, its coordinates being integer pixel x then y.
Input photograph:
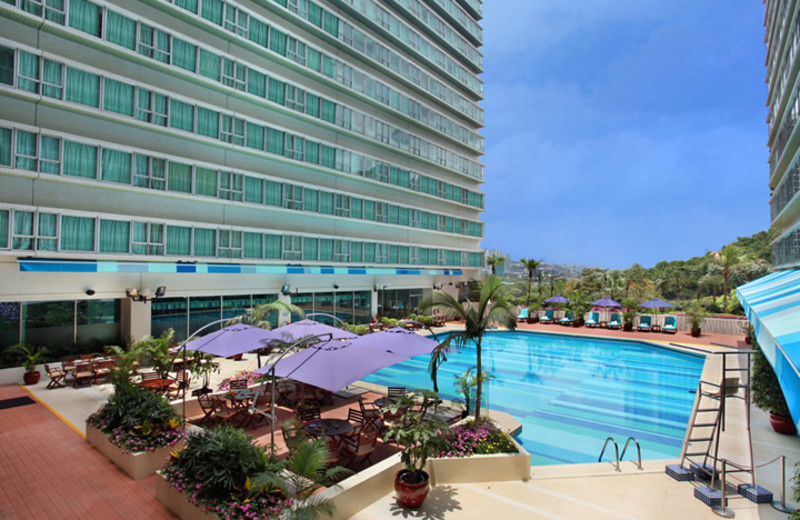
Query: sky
{"type": "Point", "coordinates": [623, 131]}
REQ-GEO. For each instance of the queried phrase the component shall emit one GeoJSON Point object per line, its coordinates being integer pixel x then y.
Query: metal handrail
{"type": "Point", "coordinates": [616, 451]}
{"type": "Point", "coordinates": [638, 451]}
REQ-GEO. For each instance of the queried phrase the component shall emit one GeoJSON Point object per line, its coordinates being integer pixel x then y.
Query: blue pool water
{"type": "Point", "coordinates": [571, 393]}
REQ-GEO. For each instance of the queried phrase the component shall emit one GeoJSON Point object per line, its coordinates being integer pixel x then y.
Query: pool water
{"type": "Point", "coordinates": [571, 393]}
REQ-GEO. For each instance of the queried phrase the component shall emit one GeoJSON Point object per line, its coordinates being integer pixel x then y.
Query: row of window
{"type": "Point", "coordinates": [786, 251]}
{"type": "Point", "coordinates": [384, 18]}
{"type": "Point", "coordinates": [368, 46]}
{"type": "Point", "coordinates": [464, 20]}
{"type": "Point", "coordinates": [49, 154]}
{"type": "Point", "coordinates": [93, 19]}
{"type": "Point", "coordinates": [53, 79]}
{"type": "Point", "coordinates": [786, 190]}
{"type": "Point", "coordinates": [41, 230]}
{"type": "Point", "coordinates": [792, 110]}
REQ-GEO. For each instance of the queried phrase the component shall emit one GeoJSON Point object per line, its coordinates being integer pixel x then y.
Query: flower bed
{"type": "Point", "coordinates": [467, 439]}
{"type": "Point", "coordinates": [136, 465]}
{"type": "Point", "coordinates": [251, 377]}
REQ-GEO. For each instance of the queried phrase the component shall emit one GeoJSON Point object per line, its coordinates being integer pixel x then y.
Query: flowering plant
{"type": "Point", "coordinates": [472, 438]}
{"type": "Point", "coordinates": [251, 377]}
{"type": "Point", "coordinates": [137, 420]}
{"type": "Point", "coordinates": [417, 436]}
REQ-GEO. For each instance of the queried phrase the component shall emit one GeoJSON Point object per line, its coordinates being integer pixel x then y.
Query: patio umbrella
{"type": "Point", "coordinates": [398, 340]}
{"type": "Point", "coordinates": [232, 340]}
{"type": "Point", "coordinates": [605, 301]}
{"type": "Point", "coordinates": [558, 299]}
{"type": "Point", "coordinates": [655, 303]}
{"type": "Point", "coordinates": [333, 364]}
{"type": "Point", "coordinates": [298, 330]}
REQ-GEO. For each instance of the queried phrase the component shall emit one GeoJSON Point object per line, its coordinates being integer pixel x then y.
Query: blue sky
{"type": "Point", "coordinates": [623, 131]}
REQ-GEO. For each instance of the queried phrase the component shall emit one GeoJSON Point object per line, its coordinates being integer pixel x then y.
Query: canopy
{"type": "Point", "coordinates": [298, 330]}
{"type": "Point", "coordinates": [399, 341]}
{"type": "Point", "coordinates": [557, 299]}
{"type": "Point", "coordinates": [605, 301]}
{"type": "Point", "coordinates": [655, 303]}
{"type": "Point", "coordinates": [232, 340]}
{"type": "Point", "coordinates": [772, 304]}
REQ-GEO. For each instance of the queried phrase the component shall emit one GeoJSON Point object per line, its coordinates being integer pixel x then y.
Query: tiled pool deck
{"type": "Point", "coordinates": [47, 470]}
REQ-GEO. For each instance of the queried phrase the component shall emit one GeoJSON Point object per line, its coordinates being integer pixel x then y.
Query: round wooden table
{"type": "Point", "coordinates": [329, 427]}
{"type": "Point", "coordinates": [156, 385]}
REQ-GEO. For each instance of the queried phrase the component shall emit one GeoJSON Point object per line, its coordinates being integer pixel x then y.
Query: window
{"type": "Point", "coordinates": [22, 236]}
{"type": "Point", "coordinates": [234, 74]}
{"type": "Point", "coordinates": [299, 7]}
{"type": "Point", "coordinates": [28, 73]}
{"type": "Point", "coordinates": [236, 20]}
{"type": "Point", "coordinates": [151, 107]}
{"type": "Point", "coordinates": [114, 236]}
{"type": "Point", "coordinates": [148, 239]}
{"type": "Point", "coordinates": [382, 172]}
{"type": "Point", "coordinates": [205, 242]}
{"type": "Point", "coordinates": [50, 155]}
{"type": "Point", "coordinates": [230, 186]}
{"type": "Point", "coordinates": [232, 130]}
{"type": "Point", "coordinates": [80, 160]}
{"type": "Point", "coordinates": [296, 50]}
{"type": "Point", "coordinates": [84, 16]}
{"type": "Point", "coordinates": [381, 253]}
{"type": "Point", "coordinates": [342, 205]}
{"type": "Point", "coordinates": [77, 233]}
{"type": "Point", "coordinates": [413, 217]}
{"type": "Point", "coordinates": [293, 147]}
{"type": "Point", "coordinates": [381, 212]}
{"type": "Point", "coordinates": [382, 132]}
{"type": "Point", "coordinates": [341, 251]}
{"type": "Point", "coordinates": [441, 189]}
{"type": "Point", "coordinates": [441, 224]}
{"type": "Point", "coordinates": [414, 181]}
{"type": "Point", "coordinates": [27, 151]}
{"type": "Point", "coordinates": [292, 196]}
{"type": "Point", "coordinates": [150, 173]}
{"type": "Point", "coordinates": [292, 248]}
{"type": "Point", "coordinates": [295, 98]}
{"type": "Point", "coordinates": [153, 43]}
{"type": "Point", "coordinates": [230, 244]}
{"type": "Point", "coordinates": [83, 87]}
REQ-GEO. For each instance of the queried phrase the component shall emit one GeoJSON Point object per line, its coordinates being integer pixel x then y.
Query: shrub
{"type": "Point", "coordinates": [137, 420]}
{"type": "Point", "coordinates": [473, 438]}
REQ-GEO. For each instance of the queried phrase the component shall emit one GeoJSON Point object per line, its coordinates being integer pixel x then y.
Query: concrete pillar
{"type": "Point", "coordinates": [135, 319]}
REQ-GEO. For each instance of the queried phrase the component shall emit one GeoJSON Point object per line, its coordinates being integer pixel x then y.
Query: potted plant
{"type": "Point", "coordinates": [31, 356]}
{"type": "Point", "coordinates": [419, 439]}
{"type": "Point", "coordinates": [768, 395]}
{"type": "Point", "coordinates": [579, 306]}
{"type": "Point", "coordinates": [697, 315]}
{"type": "Point", "coordinates": [629, 312]}
{"type": "Point", "coordinates": [748, 330]}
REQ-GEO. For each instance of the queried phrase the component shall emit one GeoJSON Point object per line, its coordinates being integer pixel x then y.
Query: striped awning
{"type": "Point", "coordinates": [772, 304]}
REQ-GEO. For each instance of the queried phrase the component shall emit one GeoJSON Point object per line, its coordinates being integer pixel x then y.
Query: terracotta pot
{"type": "Point", "coordinates": [782, 424]}
{"type": "Point", "coordinates": [411, 495]}
{"type": "Point", "coordinates": [747, 339]}
{"type": "Point", "coordinates": [695, 333]}
{"type": "Point", "coordinates": [627, 326]}
{"type": "Point", "coordinates": [31, 378]}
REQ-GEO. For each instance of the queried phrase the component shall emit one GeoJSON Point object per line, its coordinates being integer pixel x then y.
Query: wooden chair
{"type": "Point", "coordinates": [204, 400]}
{"type": "Point", "coordinates": [149, 374]}
{"type": "Point", "coordinates": [397, 393]}
{"type": "Point", "coordinates": [323, 396]}
{"type": "Point", "coordinates": [355, 416]}
{"type": "Point", "coordinates": [102, 369]}
{"type": "Point", "coordinates": [223, 412]}
{"type": "Point", "coordinates": [238, 384]}
{"type": "Point", "coordinates": [178, 388]}
{"type": "Point", "coordinates": [83, 374]}
{"type": "Point", "coordinates": [56, 375]}
{"type": "Point", "coordinates": [308, 412]}
{"type": "Point", "coordinates": [293, 435]}
{"type": "Point", "coordinates": [372, 414]}
{"type": "Point", "coordinates": [360, 446]}
{"type": "Point", "coordinates": [260, 410]}
{"type": "Point", "coordinates": [283, 392]}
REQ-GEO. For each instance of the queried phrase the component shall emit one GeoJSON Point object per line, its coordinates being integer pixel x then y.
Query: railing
{"type": "Point", "coordinates": [616, 452]}
{"type": "Point", "coordinates": [638, 451]}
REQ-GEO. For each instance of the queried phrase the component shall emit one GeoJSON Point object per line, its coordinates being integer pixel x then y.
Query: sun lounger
{"type": "Point", "coordinates": [548, 316]}
{"type": "Point", "coordinates": [523, 314]}
{"type": "Point", "coordinates": [644, 323]}
{"type": "Point", "coordinates": [566, 320]}
{"type": "Point", "coordinates": [594, 319]}
{"type": "Point", "coordinates": [614, 322]}
{"type": "Point", "coordinates": [670, 325]}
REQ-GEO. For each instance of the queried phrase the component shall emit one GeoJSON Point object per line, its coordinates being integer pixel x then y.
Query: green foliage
{"type": "Point", "coordinates": [29, 355]}
{"type": "Point", "coordinates": [155, 351]}
{"type": "Point", "coordinates": [418, 437]}
{"type": "Point", "coordinates": [131, 406]}
{"type": "Point", "coordinates": [630, 309]}
{"type": "Point", "coordinates": [764, 385]}
{"type": "Point", "coordinates": [579, 305]}
{"type": "Point", "coordinates": [466, 384]}
{"type": "Point", "coordinates": [697, 314]}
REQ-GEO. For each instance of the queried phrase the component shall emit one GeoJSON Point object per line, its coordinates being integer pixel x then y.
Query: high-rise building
{"type": "Point", "coordinates": [166, 163]}
{"type": "Point", "coordinates": [772, 303]}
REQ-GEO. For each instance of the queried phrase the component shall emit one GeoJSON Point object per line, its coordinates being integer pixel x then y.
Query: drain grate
{"type": "Point", "coordinates": [15, 401]}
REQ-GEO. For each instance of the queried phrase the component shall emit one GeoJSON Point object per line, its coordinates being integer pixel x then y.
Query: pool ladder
{"type": "Point", "coordinates": [624, 449]}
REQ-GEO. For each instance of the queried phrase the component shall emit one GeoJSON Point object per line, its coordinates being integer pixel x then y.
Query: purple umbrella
{"type": "Point", "coordinates": [400, 341]}
{"type": "Point", "coordinates": [333, 365]}
{"type": "Point", "coordinates": [232, 340]}
{"type": "Point", "coordinates": [655, 303]}
{"type": "Point", "coordinates": [304, 328]}
{"type": "Point", "coordinates": [605, 301]}
{"type": "Point", "coordinates": [557, 299]}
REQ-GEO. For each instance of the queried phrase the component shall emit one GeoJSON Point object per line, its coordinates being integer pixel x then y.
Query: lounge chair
{"type": "Point", "coordinates": [670, 325]}
{"type": "Point", "coordinates": [594, 319]}
{"type": "Point", "coordinates": [567, 319]}
{"type": "Point", "coordinates": [548, 316]}
{"type": "Point", "coordinates": [644, 323]}
{"type": "Point", "coordinates": [523, 314]}
{"type": "Point", "coordinates": [614, 322]}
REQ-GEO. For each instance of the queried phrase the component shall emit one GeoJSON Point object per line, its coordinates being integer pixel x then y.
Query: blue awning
{"type": "Point", "coordinates": [772, 304]}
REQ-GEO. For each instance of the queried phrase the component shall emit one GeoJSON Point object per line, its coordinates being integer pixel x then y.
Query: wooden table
{"type": "Point", "coordinates": [328, 427]}
{"type": "Point", "coordinates": [156, 385]}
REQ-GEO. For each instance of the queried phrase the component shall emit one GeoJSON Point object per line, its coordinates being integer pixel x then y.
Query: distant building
{"type": "Point", "coordinates": [772, 303]}
{"type": "Point", "coordinates": [233, 152]}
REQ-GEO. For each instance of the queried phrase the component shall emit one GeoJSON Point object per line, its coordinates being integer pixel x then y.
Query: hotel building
{"type": "Point", "coordinates": [168, 163]}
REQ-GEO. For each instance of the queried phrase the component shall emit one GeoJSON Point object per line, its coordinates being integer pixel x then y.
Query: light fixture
{"type": "Point", "coordinates": [335, 286]}
{"type": "Point", "coordinates": [90, 292]}
{"type": "Point", "coordinates": [437, 286]}
{"type": "Point", "coordinates": [286, 290]}
{"type": "Point", "coordinates": [142, 294]}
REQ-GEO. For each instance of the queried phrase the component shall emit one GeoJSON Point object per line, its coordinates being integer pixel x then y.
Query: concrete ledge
{"type": "Point", "coordinates": [136, 465]}
{"type": "Point", "coordinates": [177, 502]}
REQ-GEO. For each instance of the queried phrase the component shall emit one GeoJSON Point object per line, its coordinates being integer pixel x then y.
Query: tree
{"type": "Point", "coordinates": [492, 307]}
{"type": "Point", "coordinates": [531, 266]}
{"type": "Point", "coordinates": [727, 256]}
{"type": "Point", "coordinates": [493, 261]}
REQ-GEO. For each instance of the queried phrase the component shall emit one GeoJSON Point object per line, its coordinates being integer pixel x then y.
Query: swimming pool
{"type": "Point", "coordinates": [571, 393]}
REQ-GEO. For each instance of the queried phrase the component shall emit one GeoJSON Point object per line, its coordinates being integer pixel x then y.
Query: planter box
{"type": "Point", "coordinates": [136, 465]}
{"type": "Point", "coordinates": [177, 502]}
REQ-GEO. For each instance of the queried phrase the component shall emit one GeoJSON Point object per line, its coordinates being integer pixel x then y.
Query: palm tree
{"type": "Point", "coordinates": [493, 261]}
{"type": "Point", "coordinates": [727, 256]}
{"type": "Point", "coordinates": [258, 316]}
{"type": "Point", "coordinates": [531, 266]}
{"type": "Point", "coordinates": [492, 307]}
